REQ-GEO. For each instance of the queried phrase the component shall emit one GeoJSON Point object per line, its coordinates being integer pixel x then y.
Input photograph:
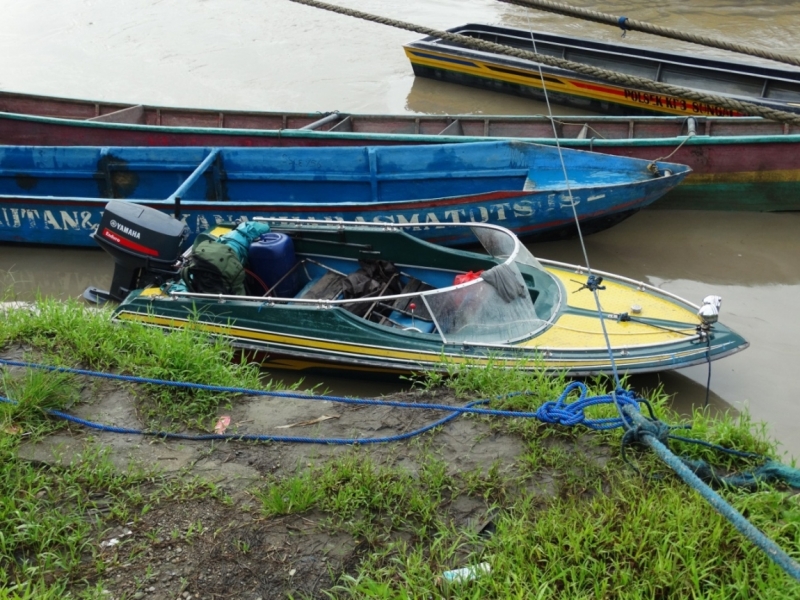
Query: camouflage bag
{"type": "Point", "coordinates": [214, 268]}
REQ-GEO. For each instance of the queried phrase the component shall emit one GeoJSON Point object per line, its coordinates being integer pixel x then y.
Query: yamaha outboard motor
{"type": "Point", "coordinates": [145, 243]}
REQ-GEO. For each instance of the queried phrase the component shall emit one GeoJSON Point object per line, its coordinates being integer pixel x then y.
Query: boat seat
{"type": "Point", "coordinates": [328, 287]}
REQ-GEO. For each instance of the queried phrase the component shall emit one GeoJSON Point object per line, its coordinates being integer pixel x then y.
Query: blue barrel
{"type": "Point", "coordinates": [271, 257]}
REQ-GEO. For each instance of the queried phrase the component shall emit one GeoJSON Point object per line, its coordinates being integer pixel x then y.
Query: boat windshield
{"type": "Point", "coordinates": [499, 306]}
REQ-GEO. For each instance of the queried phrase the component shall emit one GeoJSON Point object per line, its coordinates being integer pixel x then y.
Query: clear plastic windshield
{"type": "Point", "coordinates": [495, 309]}
{"type": "Point", "coordinates": [501, 245]}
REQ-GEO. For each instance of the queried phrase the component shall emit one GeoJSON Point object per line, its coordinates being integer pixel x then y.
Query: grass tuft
{"type": "Point", "coordinates": [70, 333]}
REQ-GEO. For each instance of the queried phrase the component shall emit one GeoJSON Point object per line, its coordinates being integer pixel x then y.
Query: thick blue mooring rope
{"type": "Point", "coordinates": [649, 433]}
{"type": "Point", "coordinates": [646, 431]}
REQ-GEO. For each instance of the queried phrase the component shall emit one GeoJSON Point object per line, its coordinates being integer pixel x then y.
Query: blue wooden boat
{"type": "Point", "coordinates": [738, 163]}
{"type": "Point", "coordinates": [55, 195]}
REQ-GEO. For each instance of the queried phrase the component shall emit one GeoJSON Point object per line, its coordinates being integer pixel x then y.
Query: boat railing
{"type": "Point", "coordinates": [321, 301]}
{"type": "Point", "coordinates": [518, 321]}
{"type": "Point", "coordinates": [642, 286]}
{"type": "Point", "coordinates": [510, 253]}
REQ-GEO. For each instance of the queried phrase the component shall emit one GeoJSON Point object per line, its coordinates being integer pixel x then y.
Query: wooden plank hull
{"type": "Point", "coordinates": [435, 58]}
{"type": "Point", "coordinates": [55, 195]}
{"type": "Point", "coordinates": [737, 163]}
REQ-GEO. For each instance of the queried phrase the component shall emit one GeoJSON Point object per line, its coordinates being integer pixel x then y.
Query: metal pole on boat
{"type": "Point", "coordinates": [326, 119]}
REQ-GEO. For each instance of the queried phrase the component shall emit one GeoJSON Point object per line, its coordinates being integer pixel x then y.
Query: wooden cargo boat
{"type": "Point", "coordinates": [427, 305]}
{"type": "Point", "coordinates": [55, 195]}
{"type": "Point", "coordinates": [432, 57]}
{"type": "Point", "coordinates": [738, 163]}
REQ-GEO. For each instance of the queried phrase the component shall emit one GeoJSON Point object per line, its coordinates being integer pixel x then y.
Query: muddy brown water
{"type": "Point", "coordinates": [277, 55]}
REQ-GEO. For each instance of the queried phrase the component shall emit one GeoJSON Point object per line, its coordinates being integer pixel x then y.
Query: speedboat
{"type": "Point", "coordinates": [373, 297]}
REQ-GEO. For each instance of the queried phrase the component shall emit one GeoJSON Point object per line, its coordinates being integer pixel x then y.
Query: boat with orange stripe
{"type": "Point", "coordinates": [432, 57]}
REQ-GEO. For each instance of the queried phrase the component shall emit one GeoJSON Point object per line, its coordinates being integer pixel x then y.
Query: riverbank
{"type": "Point", "coordinates": [555, 512]}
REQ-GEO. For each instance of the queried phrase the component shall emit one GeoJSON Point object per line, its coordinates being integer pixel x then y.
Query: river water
{"type": "Point", "coordinates": [277, 55]}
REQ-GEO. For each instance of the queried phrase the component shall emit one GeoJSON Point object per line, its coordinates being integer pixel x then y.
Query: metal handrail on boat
{"type": "Point", "coordinates": [640, 284]}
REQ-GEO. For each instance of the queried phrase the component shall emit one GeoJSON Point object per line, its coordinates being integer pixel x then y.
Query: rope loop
{"type": "Point", "coordinates": [570, 414]}
{"type": "Point", "coordinates": [651, 428]}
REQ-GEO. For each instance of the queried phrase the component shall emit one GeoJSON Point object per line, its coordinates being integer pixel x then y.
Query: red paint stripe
{"type": "Point", "coordinates": [366, 206]}
{"type": "Point", "coordinates": [107, 233]}
{"type": "Point", "coordinates": [599, 88]}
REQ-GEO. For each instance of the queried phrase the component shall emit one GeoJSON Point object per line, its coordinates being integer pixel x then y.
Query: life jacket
{"type": "Point", "coordinates": [214, 268]}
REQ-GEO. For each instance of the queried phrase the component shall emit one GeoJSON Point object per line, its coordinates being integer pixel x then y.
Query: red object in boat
{"type": "Point", "coordinates": [465, 277]}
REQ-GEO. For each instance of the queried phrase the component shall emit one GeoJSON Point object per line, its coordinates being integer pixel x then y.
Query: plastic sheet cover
{"type": "Point", "coordinates": [477, 313]}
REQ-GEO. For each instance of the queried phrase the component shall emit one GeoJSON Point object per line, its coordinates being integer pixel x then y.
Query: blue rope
{"type": "Point", "coordinates": [557, 412]}
{"type": "Point", "coordinates": [248, 437]}
{"type": "Point", "coordinates": [649, 434]}
{"type": "Point", "coordinates": [638, 428]}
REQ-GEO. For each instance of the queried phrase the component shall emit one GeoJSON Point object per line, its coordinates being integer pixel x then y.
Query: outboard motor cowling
{"type": "Point", "coordinates": [145, 244]}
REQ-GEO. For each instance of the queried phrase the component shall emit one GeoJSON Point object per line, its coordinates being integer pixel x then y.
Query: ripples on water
{"type": "Point", "coordinates": [283, 56]}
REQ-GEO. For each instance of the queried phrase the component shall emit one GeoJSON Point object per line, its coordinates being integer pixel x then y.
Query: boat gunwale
{"type": "Point", "coordinates": [696, 139]}
{"type": "Point", "coordinates": [657, 56]}
{"type": "Point", "coordinates": [580, 370]}
{"type": "Point", "coordinates": [515, 347]}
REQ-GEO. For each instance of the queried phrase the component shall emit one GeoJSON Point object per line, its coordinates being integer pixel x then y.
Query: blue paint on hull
{"type": "Point", "coordinates": [55, 195]}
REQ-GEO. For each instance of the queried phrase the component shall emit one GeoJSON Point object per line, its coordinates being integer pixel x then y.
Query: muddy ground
{"type": "Point", "coordinates": [222, 546]}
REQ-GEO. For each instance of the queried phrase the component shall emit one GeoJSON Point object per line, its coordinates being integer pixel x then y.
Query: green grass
{"type": "Point", "coordinates": [34, 393]}
{"type": "Point", "coordinates": [53, 517]}
{"type": "Point", "coordinates": [572, 520]}
{"type": "Point", "coordinates": [48, 515]}
{"type": "Point", "coordinates": [644, 539]}
{"type": "Point", "coordinates": [602, 532]}
{"type": "Point", "coordinates": [72, 334]}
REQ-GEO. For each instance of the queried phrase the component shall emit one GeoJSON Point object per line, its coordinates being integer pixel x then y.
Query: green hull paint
{"type": "Point", "coordinates": [324, 332]}
{"type": "Point", "coordinates": [773, 197]}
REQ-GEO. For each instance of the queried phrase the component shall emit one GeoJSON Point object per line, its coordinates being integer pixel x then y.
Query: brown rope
{"type": "Point", "coordinates": [633, 25]}
{"type": "Point", "coordinates": [610, 76]}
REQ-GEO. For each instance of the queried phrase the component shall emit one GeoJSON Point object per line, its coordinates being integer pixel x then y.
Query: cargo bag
{"type": "Point", "coordinates": [214, 268]}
